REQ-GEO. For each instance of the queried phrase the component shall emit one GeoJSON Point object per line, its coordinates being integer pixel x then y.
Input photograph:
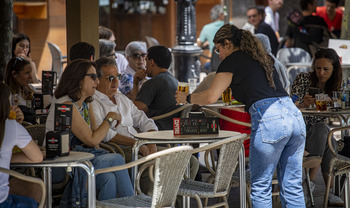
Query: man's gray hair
{"type": "Point", "coordinates": [134, 47]}
{"type": "Point", "coordinates": [104, 61]}
{"type": "Point", "coordinates": [106, 47]}
{"type": "Point", "coordinates": [216, 11]}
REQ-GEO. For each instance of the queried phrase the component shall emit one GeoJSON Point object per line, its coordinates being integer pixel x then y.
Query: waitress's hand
{"type": "Point", "coordinates": [308, 100]}
{"type": "Point", "coordinates": [180, 97]}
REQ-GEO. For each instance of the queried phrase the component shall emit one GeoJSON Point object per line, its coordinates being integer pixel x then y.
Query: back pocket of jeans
{"type": "Point", "coordinates": [273, 126]}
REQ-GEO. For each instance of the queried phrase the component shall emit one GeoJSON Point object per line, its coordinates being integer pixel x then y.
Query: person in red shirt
{"type": "Point", "coordinates": [332, 16]}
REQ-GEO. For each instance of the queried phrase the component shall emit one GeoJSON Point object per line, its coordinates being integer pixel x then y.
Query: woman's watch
{"type": "Point", "coordinates": [109, 120]}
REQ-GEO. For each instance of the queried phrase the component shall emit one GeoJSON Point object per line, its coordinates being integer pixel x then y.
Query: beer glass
{"type": "Point", "coordinates": [183, 87]}
{"type": "Point", "coordinates": [226, 96]}
{"type": "Point", "coordinates": [321, 102]}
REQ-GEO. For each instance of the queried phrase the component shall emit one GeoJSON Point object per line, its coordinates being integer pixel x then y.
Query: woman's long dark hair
{"type": "Point", "coordinates": [334, 82]}
{"type": "Point", "coordinates": [70, 83]}
{"type": "Point", "coordinates": [4, 109]}
{"type": "Point", "coordinates": [18, 38]}
{"type": "Point", "coordinates": [249, 44]}
{"type": "Point", "coordinates": [16, 64]}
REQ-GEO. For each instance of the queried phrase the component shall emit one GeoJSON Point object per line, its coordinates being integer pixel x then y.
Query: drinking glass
{"type": "Point", "coordinates": [226, 96]}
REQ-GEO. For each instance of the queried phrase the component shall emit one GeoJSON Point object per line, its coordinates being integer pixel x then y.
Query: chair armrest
{"type": "Point", "coordinates": [206, 110]}
{"type": "Point", "coordinates": [187, 105]}
{"type": "Point", "coordinates": [143, 160]}
{"type": "Point", "coordinates": [149, 165]}
{"type": "Point", "coordinates": [29, 179]}
{"type": "Point", "coordinates": [330, 134]}
{"type": "Point", "coordinates": [107, 147]}
{"type": "Point", "coordinates": [115, 145]}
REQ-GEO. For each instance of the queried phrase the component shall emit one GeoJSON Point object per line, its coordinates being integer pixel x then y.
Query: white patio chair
{"type": "Point", "coordinates": [226, 165]}
{"type": "Point", "coordinates": [29, 179]}
{"type": "Point", "coordinates": [169, 168]}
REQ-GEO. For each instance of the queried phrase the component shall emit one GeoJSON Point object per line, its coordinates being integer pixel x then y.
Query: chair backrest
{"type": "Point", "coordinates": [228, 160]}
{"type": "Point", "coordinates": [151, 41]}
{"type": "Point", "coordinates": [227, 163]}
{"type": "Point", "coordinates": [37, 132]}
{"type": "Point", "coordinates": [294, 55]}
{"type": "Point", "coordinates": [29, 179]}
{"type": "Point", "coordinates": [56, 59]}
{"type": "Point", "coordinates": [169, 171]}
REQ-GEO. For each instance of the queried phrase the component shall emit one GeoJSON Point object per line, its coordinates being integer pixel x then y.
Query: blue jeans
{"type": "Point", "coordinates": [18, 202]}
{"type": "Point", "coordinates": [277, 140]}
{"type": "Point", "coordinates": [108, 185]}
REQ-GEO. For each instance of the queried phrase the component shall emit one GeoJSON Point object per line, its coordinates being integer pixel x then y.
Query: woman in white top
{"type": "Point", "coordinates": [12, 133]}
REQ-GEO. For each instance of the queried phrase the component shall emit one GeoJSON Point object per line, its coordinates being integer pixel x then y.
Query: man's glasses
{"type": "Point", "coordinates": [137, 55]}
{"type": "Point", "coordinates": [111, 78]}
{"type": "Point", "coordinates": [217, 51]}
{"type": "Point", "coordinates": [93, 76]}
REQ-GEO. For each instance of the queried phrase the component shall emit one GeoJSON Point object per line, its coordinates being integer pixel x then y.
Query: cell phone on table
{"type": "Point", "coordinates": [313, 91]}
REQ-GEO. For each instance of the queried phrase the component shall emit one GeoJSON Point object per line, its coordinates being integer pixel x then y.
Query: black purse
{"type": "Point", "coordinates": [29, 114]}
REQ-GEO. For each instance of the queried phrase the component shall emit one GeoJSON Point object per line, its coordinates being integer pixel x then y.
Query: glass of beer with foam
{"type": "Point", "coordinates": [183, 87]}
{"type": "Point", "coordinates": [226, 96]}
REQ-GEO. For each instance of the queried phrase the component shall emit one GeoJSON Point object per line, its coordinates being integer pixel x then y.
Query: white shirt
{"type": "Point", "coordinates": [15, 134]}
{"type": "Point", "coordinates": [272, 19]}
{"type": "Point", "coordinates": [122, 62]}
{"type": "Point", "coordinates": [132, 117]}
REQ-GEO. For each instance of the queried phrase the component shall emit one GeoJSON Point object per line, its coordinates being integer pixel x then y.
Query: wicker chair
{"type": "Point", "coordinates": [227, 163]}
{"type": "Point", "coordinates": [29, 179]}
{"type": "Point", "coordinates": [37, 132]}
{"type": "Point", "coordinates": [339, 165]}
{"type": "Point", "coordinates": [167, 180]}
{"type": "Point", "coordinates": [183, 109]}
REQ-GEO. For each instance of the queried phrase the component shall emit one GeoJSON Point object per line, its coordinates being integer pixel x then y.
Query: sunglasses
{"type": "Point", "coordinates": [111, 78]}
{"type": "Point", "coordinates": [137, 55]}
{"type": "Point", "coordinates": [17, 60]}
{"type": "Point", "coordinates": [93, 76]}
{"type": "Point", "coordinates": [217, 51]}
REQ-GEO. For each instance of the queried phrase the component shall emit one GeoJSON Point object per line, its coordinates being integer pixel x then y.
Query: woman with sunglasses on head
{"type": "Point", "coordinates": [12, 133]}
{"type": "Point", "coordinates": [135, 52]}
{"type": "Point", "coordinates": [278, 131]}
{"type": "Point", "coordinates": [21, 48]}
{"type": "Point", "coordinates": [326, 76]}
{"type": "Point", "coordinates": [17, 77]}
{"type": "Point", "coordinates": [76, 87]}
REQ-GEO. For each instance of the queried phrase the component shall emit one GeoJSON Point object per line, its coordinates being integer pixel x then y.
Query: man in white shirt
{"type": "Point", "coordinates": [107, 98]}
{"type": "Point", "coordinates": [272, 17]}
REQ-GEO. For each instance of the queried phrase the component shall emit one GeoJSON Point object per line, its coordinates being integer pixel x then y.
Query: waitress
{"type": "Point", "coordinates": [278, 129]}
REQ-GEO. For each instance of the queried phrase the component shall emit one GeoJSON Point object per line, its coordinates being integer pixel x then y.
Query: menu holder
{"type": "Point", "coordinates": [57, 144]}
{"type": "Point", "coordinates": [41, 100]}
{"type": "Point", "coordinates": [63, 117]}
{"type": "Point", "coordinates": [195, 126]}
{"type": "Point", "coordinates": [49, 80]}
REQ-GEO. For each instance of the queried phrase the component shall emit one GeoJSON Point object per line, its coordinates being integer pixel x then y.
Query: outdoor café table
{"type": "Point", "coordinates": [74, 159]}
{"type": "Point", "coordinates": [168, 137]}
{"type": "Point", "coordinates": [343, 115]}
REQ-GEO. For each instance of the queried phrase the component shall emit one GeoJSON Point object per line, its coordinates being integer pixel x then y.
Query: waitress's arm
{"type": "Point", "coordinates": [211, 95]}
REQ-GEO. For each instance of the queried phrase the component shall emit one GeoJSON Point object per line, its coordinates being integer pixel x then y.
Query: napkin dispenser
{"type": "Point", "coordinates": [57, 144]}
{"type": "Point", "coordinates": [196, 125]}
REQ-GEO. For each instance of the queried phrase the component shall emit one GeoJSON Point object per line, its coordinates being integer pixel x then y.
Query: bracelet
{"type": "Point", "coordinates": [188, 98]}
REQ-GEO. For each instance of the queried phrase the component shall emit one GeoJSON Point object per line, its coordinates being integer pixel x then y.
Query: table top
{"type": "Point", "coordinates": [222, 105]}
{"type": "Point", "coordinates": [72, 157]}
{"type": "Point", "coordinates": [314, 112]}
{"type": "Point", "coordinates": [168, 135]}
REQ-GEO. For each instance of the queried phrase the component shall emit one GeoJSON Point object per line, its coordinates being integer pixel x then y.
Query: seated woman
{"type": "Point", "coordinates": [327, 76]}
{"type": "Point", "coordinates": [12, 133]}
{"type": "Point", "coordinates": [17, 77]}
{"type": "Point", "coordinates": [77, 86]}
{"type": "Point", "coordinates": [21, 48]}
